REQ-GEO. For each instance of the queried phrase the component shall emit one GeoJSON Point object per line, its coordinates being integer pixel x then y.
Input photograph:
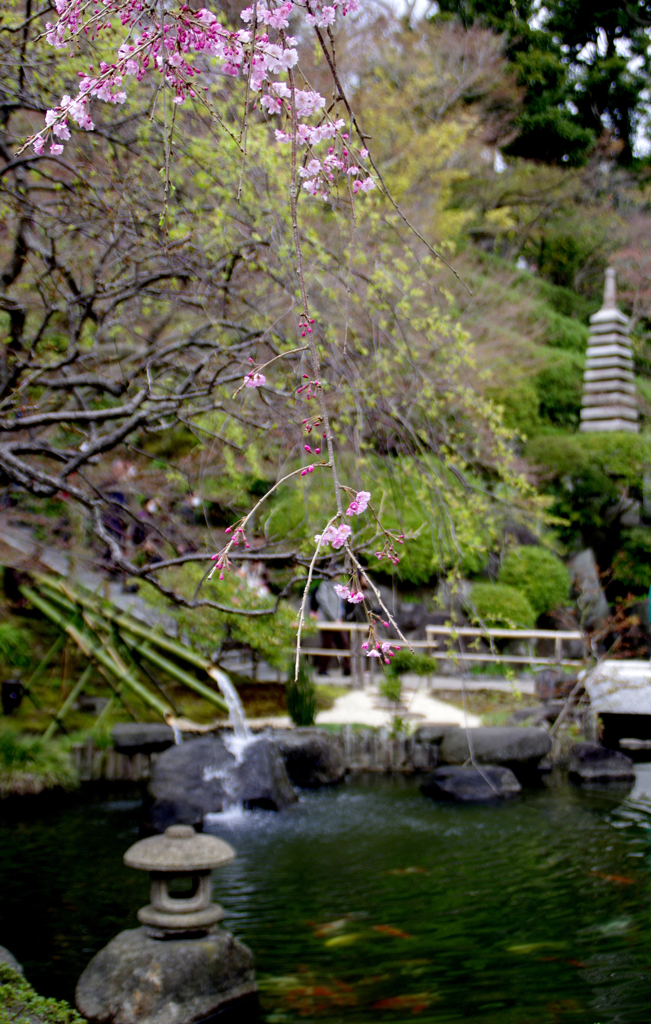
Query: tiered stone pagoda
{"type": "Point", "coordinates": [609, 401]}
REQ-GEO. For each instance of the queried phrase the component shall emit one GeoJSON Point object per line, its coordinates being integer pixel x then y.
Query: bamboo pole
{"type": "Point", "coordinates": [107, 659]}
{"type": "Point", "coordinates": [150, 636]}
{"type": "Point", "coordinates": [57, 719]}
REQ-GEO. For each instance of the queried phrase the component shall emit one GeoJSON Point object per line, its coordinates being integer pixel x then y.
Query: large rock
{"type": "Point", "coordinates": [593, 764]}
{"type": "Point", "coordinates": [140, 980]}
{"type": "Point", "coordinates": [592, 601]}
{"type": "Point", "coordinates": [6, 957]}
{"type": "Point", "coordinates": [433, 733]}
{"type": "Point", "coordinates": [142, 737]}
{"type": "Point", "coordinates": [312, 757]}
{"type": "Point", "coordinates": [204, 776]}
{"type": "Point", "coordinates": [471, 784]}
{"type": "Point", "coordinates": [518, 748]}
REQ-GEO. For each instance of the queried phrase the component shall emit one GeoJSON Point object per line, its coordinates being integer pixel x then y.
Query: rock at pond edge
{"type": "Point", "coordinates": [312, 757]}
{"type": "Point", "coordinates": [519, 748]}
{"type": "Point", "coordinates": [139, 980]}
{"type": "Point", "coordinates": [469, 784]}
{"type": "Point", "coordinates": [202, 777]}
{"type": "Point", "coordinates": [592, 763]}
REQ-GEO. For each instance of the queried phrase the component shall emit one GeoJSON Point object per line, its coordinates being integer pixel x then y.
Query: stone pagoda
{"type": "Point", "coordinates": [609, 401]}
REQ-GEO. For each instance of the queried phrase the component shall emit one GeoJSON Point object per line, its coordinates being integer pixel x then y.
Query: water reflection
{"type": "Point", "coordinates": [370, 902]}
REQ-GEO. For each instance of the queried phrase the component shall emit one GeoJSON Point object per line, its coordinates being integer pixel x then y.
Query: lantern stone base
{"type": "Point", "coordinates": [136, 979]}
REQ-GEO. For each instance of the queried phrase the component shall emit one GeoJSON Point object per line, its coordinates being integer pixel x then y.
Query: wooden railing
{"type": "Point", "coordinates": [359, 664]}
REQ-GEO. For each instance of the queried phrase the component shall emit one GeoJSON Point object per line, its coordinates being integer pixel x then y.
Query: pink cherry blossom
{"type": "Point", "coordinates": [360, 503]}
{"type": "Point", "coordinates": [254, 380]}
{"type": "Point", "coordinates": [56, 149]}
{"type": "Point", "coordinates": [343, 591]}
{"type": "Point", "coordinates": [335, 535]}
{"type": "Point", "coordinates": [356, 597]}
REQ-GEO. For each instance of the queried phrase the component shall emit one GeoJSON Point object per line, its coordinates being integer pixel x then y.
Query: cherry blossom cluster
{"type": "Point", "coordinates": [353, 596]}
{"type": "Point", "coordinates": [179, 43]}
{"type": "Point", "coordinates": [335, 535]}
{"type": "Point", "coordinates": [388, 550]}
{"type": "Point", "coordinates": [221, 560]}
{"type": "Point", "coordinates": [359, 504]}
{"type": "Point", "coordinates": [311, 387]}
{"type": "Point", "coordinates": [383, 649]}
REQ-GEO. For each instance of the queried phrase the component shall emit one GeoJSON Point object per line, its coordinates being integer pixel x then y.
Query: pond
{"type": "Point", "coordinates": [370, 902]}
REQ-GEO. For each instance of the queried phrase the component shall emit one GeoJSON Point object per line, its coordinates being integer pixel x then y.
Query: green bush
{"type": "Point", "coordinates": [632, 563]}
{"type": "Point", "coordinates": [498, 606]}
{"type": "Point", "coordinates": [301, 697]}
{"type": "Point", "coordinates": [408, 661]}
{"type": "Point", "coordinates": [15, 646]}
{"type": "Point", "coordinates": [19, 1003]}
{"type": "Point", "coordinates": [30, 764]}
{"type": "Point", "coordinates": [520, 404]}
{"type": "Point", "coordinates": [391, 687]}
{"type": "Point", "coordinates": [587, 474]}
{"type": "Point", "coordinates": [561, 331]}
{"type": "Point", "coordinates": [403, 662]}
{"type": "Point", "coordinates": [559, 387]}
{"type": "Point", "coordinates": [539, 575]}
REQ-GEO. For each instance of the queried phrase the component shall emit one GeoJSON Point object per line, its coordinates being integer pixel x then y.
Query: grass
{"type": "Point", "coordinates": [29, 764]}
{"type": "Point", "coordinates": [493, 707]}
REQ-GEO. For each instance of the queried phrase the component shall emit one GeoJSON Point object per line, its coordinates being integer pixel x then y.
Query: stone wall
{"type": "Point", "coordinates": [366, 750]}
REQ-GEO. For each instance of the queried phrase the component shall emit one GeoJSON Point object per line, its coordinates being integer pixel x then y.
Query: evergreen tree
{"type": "Point", "coordinates": [584, 67]}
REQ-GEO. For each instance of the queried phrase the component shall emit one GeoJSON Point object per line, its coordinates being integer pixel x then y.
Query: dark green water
{"type": "Point", "coordinates": [371, 903]}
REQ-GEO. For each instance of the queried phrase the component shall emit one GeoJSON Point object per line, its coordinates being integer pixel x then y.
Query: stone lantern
{"type": "Point", "coordinates": [182, 860]}
{"type": "Point", "coordinates": [178, 967]}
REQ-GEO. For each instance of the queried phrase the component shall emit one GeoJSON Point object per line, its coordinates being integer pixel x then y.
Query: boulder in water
{"type": "Point", "coordinates": [591, 764]}
{"type": "Point", "coordinates": [470, 784]}
{"type": "Point", "coordinates": [204, 776]}
{"type": "Point", "coordinates": [312, 757]}
{"type": "Point", "coordinates": [139, 980]}
{"type": "Point", "coordinates": [517, 748]}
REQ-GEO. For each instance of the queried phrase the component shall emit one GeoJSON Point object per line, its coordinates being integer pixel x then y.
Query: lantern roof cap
{"type": "Point", "coordinates": [180, 849]}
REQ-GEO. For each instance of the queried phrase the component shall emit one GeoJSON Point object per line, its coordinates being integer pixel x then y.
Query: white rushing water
{"type": "Point", "coordinates": [235, 708]}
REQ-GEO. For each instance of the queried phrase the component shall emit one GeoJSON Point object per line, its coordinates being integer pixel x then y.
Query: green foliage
{"type": "Point", "coordinates": [499, 606]}
{"type": "Point", "coordinates": [559, 386]}
{"type": "Point", "coordinates": [405, 661]}
{"type": "Point", "coordinates": [587, 475]}
{"type": "Point", "coordinates": [15, 645]}
{"type": "Point", "coordinates": [20, 1004]}
{"type": "Point", "coordinates": [561, 331]}
{"type": "Point", "coordinates": [29, 764]}
{"type": "Point", "coordinates": [539, 575]}
{"type": "Point", "coordinates": [391, 687]}
{"type": "Point", "coordinates": [301, 696]}
{"type": "Point", "coordinates": [632, 564]}
{"type": "Point", "coordinates": [575, 91]}
{"type": "Point", "coordinates": [520, 407]}
{"type": "Point", "coordinates": [271, 636]}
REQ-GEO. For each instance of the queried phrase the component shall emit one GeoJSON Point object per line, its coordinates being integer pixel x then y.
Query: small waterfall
{"type": "Point", "coordinates": [236, 711]}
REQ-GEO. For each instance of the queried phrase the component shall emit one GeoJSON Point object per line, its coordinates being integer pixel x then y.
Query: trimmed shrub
{"type": "Point", "coordinates": [301, 697]}
{"type": "Point", "coordinates": [501, 607]}
{"type": "Point", "coordinates": [539, 575]}
{"type": "Point", "coordinates": [560, 387]}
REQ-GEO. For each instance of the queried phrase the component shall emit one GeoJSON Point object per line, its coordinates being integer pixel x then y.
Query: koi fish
{"type": "Point", "coordinates": [345, 940]}
{"type": "Point", "coordinates": [618, 879]}
{"type": "Point", "coordinates": [395, 933]}
{"type": "Point", "coordinates": [331, 927]}
{"type": "Point", "coordinates": [416, 1003]}
{"type": "Point", "coordinates": [407, 871]}
{"type": "Point", "coordinates": [533, 947]}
